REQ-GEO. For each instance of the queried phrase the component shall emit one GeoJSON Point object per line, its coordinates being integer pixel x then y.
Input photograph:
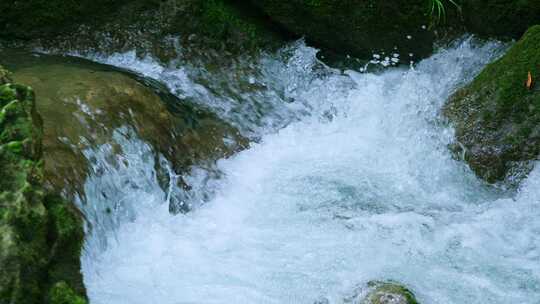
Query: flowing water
{"type": "Point", "coordinates": [349, 180]}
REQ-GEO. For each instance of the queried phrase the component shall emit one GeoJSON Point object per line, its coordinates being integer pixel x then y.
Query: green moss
{"type": "Point", "coordinates": [233, 25]}
{"type": "Point", "coordinates": [38, 237]}
{"type": "Point", "coordinates": [61, 293]}
{"type": "Point", "coordinates": [66, 237]}
{"type": "Point", "coordinates": [140, 23]}
{"type": "Point", "coordinates": [221, 19]}
{"type": "Point", "coordinates": [15, 146]}
{"type": "Point", "coordinates": [5, 76]}
{"type": "Point", "coordinates": [389, 292]}
{"type": "Point", "coordinates": [7, 94]}
{"type": "Point", "coordinates": [356, 27]}
{"type": "Point", "coordinates": [505, 79]}
{"type": "Point", "coordinates": [497, 118]}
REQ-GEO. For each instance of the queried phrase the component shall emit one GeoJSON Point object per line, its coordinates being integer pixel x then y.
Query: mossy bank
{"type": "Point", "coordinates": [113, 26]}
{"type": "Point", "coordinates": [497, 116]}
{"type": "Point", "coordinates": [360, 28]}
{"type": "Point", "coordinates": [41, 234]}
{"type": "Point", "coordinates": [388, 293]}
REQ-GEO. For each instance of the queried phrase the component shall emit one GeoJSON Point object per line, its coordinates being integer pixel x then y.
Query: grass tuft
{"type": "Point", "coordinates": [438, 9]}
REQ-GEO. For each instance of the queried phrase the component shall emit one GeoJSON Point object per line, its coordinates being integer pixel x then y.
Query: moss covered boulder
{"type": "Point", "coordinates": [497, 116]}
{"type": "Point", "coordinates": [83, 104]}
{"type": "Point", "coordinates": [118, 25]}
{"type": "Point", "coordinates": [388, 293]}
{"type": "Point", "coordinates": [41, 234]}
{"type": "Point", "coordinates": [223, 24]}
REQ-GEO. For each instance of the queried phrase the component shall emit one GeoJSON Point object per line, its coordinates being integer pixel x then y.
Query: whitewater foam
{"type": "Point", "coordinates": [354, 183]}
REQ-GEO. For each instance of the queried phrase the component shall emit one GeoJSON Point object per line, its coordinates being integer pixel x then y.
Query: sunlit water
{"type": "Point", "coordinates": [351, 181]}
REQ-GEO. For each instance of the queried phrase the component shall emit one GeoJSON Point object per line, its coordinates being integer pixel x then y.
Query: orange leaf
{"type": "Point", "coordinates": [529, 83]}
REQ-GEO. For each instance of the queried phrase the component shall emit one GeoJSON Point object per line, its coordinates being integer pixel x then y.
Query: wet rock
{"type": "Point", "coordinates": [4, 75]}
{"type": "Point", "coordinates": [381, 292]}
{"type": "Point", "coordinates": [41, 234]}
{"type": "Point", "coordinates": [24, 19]}
{"type": "Point", "coordinates": [61, 293]}
{"type": "Point", "coordinates": [146, 25]}
{"type": "Point", "coordinates": [83, 104]}
{"type": "Point", "coordinates": [360, 28]}
{"type": "Point", "coordinates": [500, 19]}
{"type": "Point", "coordinates": [388, 293]}
{"type": "Point", "coordinates": [497, 116]}
{"type": "Point", "coordinates": [357, 28]}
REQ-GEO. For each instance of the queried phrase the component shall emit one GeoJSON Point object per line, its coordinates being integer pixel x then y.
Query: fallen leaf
{"type": "Point", "coordinates": [530, 82]}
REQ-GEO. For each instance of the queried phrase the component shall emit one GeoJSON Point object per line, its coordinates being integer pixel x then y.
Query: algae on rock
{"type": "Point", "coordinates": [497, 117]}
{"type": "Point", "coordinates": [40, 238]}
{"type": "Point", "coordinates": [148, 26]}
{"type": "Point", "coordinates": [358, 28]}
{"type": "Point", "coordinates": [379, 292]}
{"type": "Point", "coordinates": [83, 104]}
{"type": "Point", "coordinates": [388, 293]}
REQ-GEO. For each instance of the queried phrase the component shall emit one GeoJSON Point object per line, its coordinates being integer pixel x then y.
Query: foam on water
{"type": "Point", "coordinates": [257, 95]}
{"type": "Point", "coordinates": [361, 188]}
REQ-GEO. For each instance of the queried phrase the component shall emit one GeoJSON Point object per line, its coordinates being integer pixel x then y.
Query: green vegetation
{"type": "Point", "coordinates": [40, 237]}
{"type": "Point", "coordinates": [61, 293]}
{"type": "Point", "coordinates": [221, 24]}
{"type": "Point", "coordinates": [223, 20]}
{"type": "Point", "coordinates": [389, 292]}
{"type": "Point", "coordinates": [438, 9]}
{"type": "Point", "coordinates": [497, 118]}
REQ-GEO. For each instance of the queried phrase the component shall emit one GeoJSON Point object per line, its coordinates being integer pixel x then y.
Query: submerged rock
{"type": "Point", "coordinates": [41, 234]}
{"type": "Point", "coordinates": [360, 28]}
{"type": "Point", "coordinates": [83, 104]}
{"type": "Point", "coordinates": [25, 19]}
{"type": "Point", "coordinates": [379, 292]}
{"type": "Point", "coordinates": [497, 116]}
{"type": "Point", "coordinates": [388, 293]}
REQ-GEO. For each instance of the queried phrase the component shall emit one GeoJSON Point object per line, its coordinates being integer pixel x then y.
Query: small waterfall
{"type": "Point", "coordinates": [350, 180]}
{"type": "Point", "coordinates": [122, 184]}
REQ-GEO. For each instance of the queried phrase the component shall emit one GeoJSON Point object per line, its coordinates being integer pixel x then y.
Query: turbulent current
{"type": "Point", "coordinates": [349, 179]}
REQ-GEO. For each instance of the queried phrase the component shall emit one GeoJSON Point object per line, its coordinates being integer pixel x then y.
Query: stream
{"type": "Point", "coordinates": [348, 179]}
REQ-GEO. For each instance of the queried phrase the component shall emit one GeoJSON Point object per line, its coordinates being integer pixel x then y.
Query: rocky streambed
{"type": "Point", "coordinates": [196, 151]}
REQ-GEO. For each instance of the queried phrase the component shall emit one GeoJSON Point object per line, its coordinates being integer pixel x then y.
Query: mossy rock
{"type": "Point", "coordinates": [118, 25]}
{"type": "Point", "coordinates": [497, 116]}
{"type": "Point", "coordinates": [221, 24]}
{"type": "Point", "coordinates": [83, 104]}
{"type": "Point", "coordinates": [357, 28]}
{"type": "Point", "coordinates": [61, 293]}
{"type": "Point", "coordinates": [388, 293]}
{"type": "Point", "coordinates": [40, 238]}
{"type": "Point", "coordinates": [34, 18]}
{"type": "Point", "coordinates": [4, 76]}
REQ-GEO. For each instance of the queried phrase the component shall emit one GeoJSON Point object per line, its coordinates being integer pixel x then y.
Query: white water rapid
{"type": "Point", "coordinates": [350, 181]}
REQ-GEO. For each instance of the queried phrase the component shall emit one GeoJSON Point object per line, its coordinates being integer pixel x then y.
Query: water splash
{"type": "Point", "coordinates": [351, 181]}
{"type": "Point", "coordinates": [257, 95]}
